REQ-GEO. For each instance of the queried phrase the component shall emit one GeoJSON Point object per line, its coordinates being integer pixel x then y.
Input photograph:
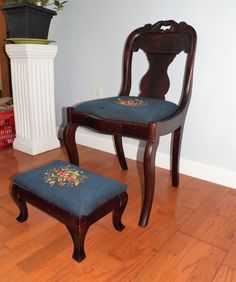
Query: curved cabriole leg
{"type": "Point", "coordinates": [20, 203]}
{"type": "Point", "coordinates": [69, 141]}
{"type": "Point", "coordinates": [120, 152]}
{"type": "Point", "coordinates": [176, 147]}
{"type": "Point", "coordinates": [117, 214]}
{"type": "Point", "coordinates": [78, 237]}
{"type": "Point", "coordinates": [149, 181]}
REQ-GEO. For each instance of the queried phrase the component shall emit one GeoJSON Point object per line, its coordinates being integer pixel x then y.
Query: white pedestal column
{"type": "Point", "coordinates": [32, 71]}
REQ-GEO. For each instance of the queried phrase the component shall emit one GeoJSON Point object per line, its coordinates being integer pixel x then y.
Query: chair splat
{"type": "Point", "coordinates": [156, 82]}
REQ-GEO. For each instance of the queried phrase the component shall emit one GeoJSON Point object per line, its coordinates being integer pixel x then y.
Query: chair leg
{"type": "Point", "coordinates": [69, 141]}
{"type": "Point", "coordinates": [120, 152]}
{"type": "Point", "coordinates": [176, 147]}
{"type": "Point", "coordinates": [20, 203]}
{"type": "Point", "coordinates": [117, 214]}
{"type": "Point", "coordinates": [149, 181]}
{"type": "Point", "coordinates": [78, 237]}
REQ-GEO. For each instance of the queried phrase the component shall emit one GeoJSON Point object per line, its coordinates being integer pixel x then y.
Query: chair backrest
{"type": "Point", "coordinates": [161, 42]}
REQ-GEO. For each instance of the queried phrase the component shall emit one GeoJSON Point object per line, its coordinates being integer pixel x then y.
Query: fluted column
{"type": "Point", "coordinates": [32, 74]}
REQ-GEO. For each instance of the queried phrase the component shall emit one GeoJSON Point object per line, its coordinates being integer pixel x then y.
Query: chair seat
{"type": "Point", "coordinates": [72, 188]}
{"type": "Point", "coordinates": [129, 108]}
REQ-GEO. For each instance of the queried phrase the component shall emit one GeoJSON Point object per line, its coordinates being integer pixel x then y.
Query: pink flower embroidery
{"type": "Point", "coordinates": [64, 176]}
{"type": "Point", "coordinates": [131, 102]}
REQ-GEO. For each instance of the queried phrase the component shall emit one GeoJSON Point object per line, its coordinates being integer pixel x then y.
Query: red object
{"type": "Point", "coordinates": [7, 128]}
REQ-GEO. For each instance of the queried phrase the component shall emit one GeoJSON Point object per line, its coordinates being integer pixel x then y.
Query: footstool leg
{"type": "Point", "coordinates": [117, 213]}
{"type": "Point", "coordinates": [20, 203]}
{"type": "Point", "coordinates": [78, 237]}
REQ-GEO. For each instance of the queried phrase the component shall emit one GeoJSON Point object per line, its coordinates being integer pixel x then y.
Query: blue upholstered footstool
{"type": "Point", "coordinates": [73, 195]}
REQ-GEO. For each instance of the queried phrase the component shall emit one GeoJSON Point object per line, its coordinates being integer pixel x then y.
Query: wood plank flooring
{"type": "Point", "coordinates": [191, 235]}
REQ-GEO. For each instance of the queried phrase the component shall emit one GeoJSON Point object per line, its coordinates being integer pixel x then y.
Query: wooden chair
{"type": "Point", "coordinates": [147, 116]}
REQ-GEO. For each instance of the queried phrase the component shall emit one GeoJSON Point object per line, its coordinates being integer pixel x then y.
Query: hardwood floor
{"type": "Point", "coordinates": [191, 235]}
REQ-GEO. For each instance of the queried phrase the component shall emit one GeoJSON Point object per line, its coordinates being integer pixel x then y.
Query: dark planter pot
{"type": "Point", "coordinates": [27, 20]}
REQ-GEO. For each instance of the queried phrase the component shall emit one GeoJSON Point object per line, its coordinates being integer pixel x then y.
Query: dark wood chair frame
{"type": "Point", "coordinates": [76, 225]}
{"type": "Point", "coordinates": [161, 42]}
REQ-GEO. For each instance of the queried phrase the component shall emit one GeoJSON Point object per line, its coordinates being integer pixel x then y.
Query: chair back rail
{"type": "Point", "coordinates": [161, 43]}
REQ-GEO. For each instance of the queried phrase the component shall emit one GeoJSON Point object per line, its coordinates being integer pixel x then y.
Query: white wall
{"type": "Point", "coordinates": [91, 35]}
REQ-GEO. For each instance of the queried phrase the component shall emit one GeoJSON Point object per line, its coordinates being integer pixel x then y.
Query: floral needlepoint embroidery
{"type": "Point", "coordinates": [64, 176]}
{"type": "Point", "coordinates": [131, 102]}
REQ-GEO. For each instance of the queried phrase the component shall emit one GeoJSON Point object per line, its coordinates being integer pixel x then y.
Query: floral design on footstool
{"type": "Point", "coordinates": [64, 175]}
{"type": "Point", "coordinates": [131, 102]}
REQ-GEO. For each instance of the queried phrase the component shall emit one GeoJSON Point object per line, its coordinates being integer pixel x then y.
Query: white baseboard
{"type": "Point", "coordinates": [135, 150]}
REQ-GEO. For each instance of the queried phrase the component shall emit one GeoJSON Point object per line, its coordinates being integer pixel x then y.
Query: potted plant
{"type": "Point", "coordinates": [30, 18]}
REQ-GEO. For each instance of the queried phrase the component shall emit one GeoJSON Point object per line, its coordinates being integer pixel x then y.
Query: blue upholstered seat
{"type": "Point", "coordinates": [69, 187]}
{"type": "Point", "coordinates": [129, 108]}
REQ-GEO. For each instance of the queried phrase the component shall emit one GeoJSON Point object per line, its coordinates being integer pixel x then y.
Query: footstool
{"type": "Point", "coordinates": [73, 195]}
